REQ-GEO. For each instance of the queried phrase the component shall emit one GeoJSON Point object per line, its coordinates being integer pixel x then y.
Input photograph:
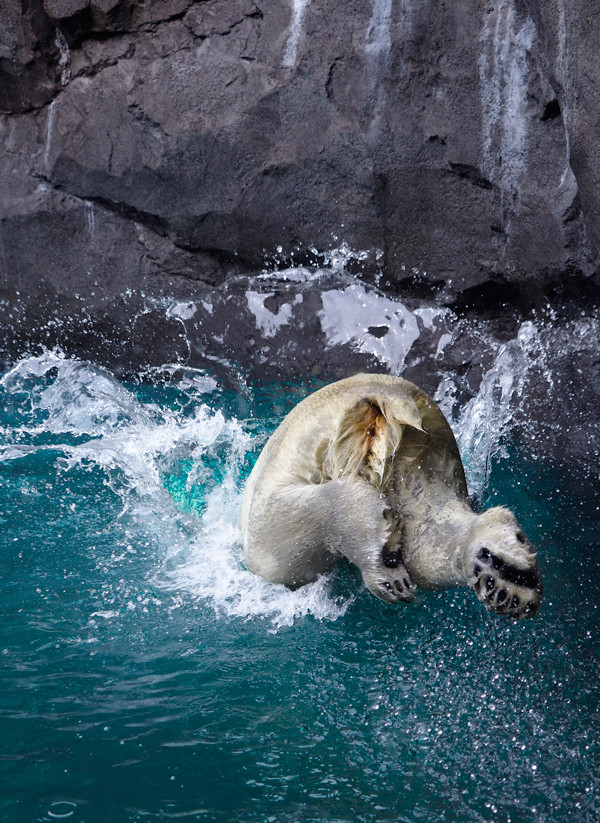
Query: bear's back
{"type": "Point", "coordinates": [304, 447]}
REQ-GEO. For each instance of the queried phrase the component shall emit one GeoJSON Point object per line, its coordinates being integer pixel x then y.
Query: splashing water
{"type": "Point", "coordinates": [351, 316]}
{"type": "Point", "coordinates": [85, 418]}
{"type": "Point", "coordinates": [139, 654]}
{"type": "Point", "coordinates": [481, 425]}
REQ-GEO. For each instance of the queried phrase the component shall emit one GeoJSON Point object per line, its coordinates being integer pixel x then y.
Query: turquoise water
{"type": "Point", "coordinates": [146, 676]}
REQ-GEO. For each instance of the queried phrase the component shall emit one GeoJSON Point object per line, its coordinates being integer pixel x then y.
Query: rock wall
{"type": "Point", "coordinates": [167, 144]}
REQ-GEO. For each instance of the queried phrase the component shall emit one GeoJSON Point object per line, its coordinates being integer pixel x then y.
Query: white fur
{"type": "Point", "coordinates": [367, 468]}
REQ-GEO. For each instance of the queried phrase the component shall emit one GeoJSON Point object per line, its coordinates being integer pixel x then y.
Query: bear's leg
{"type": "Point", "coordinates": [363, 528]}
{"type": "Point", "coordinates": [286, 542]}
{"type": "Point", "coordinates": [304, 528]}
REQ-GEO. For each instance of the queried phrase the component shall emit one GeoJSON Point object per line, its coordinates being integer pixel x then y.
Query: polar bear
{"type": "Point", "coordinates": [368, 469]}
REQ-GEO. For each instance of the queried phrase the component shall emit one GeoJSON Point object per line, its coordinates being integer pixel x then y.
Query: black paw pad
{"type": "Point", "coordinates": [506, 588]}
{"type": "Point", "coordinates": [391, 558]}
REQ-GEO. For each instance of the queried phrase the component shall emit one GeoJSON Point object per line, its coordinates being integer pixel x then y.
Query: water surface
{"type": "Point", "coordinates": [147, 676]}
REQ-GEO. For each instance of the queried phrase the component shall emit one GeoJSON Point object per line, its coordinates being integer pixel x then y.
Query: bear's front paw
{"type": "Point", "coordinates": [392, 585]}
{"type": "Point", "coordinates": [505, 588]}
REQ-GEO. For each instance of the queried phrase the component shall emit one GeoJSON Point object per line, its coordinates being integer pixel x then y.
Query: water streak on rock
{"type": "Point", "coordinates": [562, 69]}
{"type": "Point", "coordinates": [378, 44]}
{"type": "Point", "coordinates": [295, 33]}
{"type": "Point", "coordinates": [503, 73]}
{"type": "Point", "coordinates": [48, 142]}
{"type": "Point", "coordinates": [378, 41]}
{"type": "Point", "coordinates": [90, 218]}
{"type": "Point", "coordinates": [64, 59]}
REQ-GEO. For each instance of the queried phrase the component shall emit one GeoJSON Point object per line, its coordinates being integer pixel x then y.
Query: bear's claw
{"type": "Point", "coordinates": [391, 585]}
{"type": "Point", "coordinates": [505, 588]}
{"type": "Point", "coordinates": [388, 578]}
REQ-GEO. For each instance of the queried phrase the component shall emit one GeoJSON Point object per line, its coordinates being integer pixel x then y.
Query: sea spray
{"type": "Point", "coordinates": [136, 655]}
{"type": "Point", "coordinates": [481, 424]}
{"type": "Point", "coordinates": [176, 473]}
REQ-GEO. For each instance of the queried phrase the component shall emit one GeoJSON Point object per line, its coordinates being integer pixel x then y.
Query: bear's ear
{"type": "Point", "coordinates": [367, 437]}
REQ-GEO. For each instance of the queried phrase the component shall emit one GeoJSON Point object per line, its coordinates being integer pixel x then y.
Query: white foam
{"type": "Point", "coordinates": [296, 274]}
{"type": "Point", "coordinates": [183, 310]}
{"type": "Point", "coordinates": [482, 423]}
{"type": "Point", "coordinates": [73, 396]}
{"type": "Point", "coordinates": [211, 569]}
{"type": "Point", "coordinates": [96, 423]}
{"type": "Point", "coordinates": [341, 255]}
{"type": "Point", "coordinates": [429, 315]}
{"type": "Point", "coordinates": [348, 314]}
{"type": "Point", "coordinates": [267, 321]}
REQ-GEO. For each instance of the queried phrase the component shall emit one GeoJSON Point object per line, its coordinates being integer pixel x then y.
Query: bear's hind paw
{"type": "Point", "coordinates": [392, 586]}
{"type": "Point", "coordinates": [504, 588]}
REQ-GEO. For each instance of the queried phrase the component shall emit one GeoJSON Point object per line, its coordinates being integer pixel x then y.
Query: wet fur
{"type": "Point", "coordinates": [368, 468]}
{"type": "Point", "coordinates": [365, 441]}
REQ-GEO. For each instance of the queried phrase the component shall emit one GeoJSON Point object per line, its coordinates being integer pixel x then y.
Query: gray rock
{"type": "Point", "coordinates": [29, 77]}
{"type": "Point", "coordinates": [154, 153]}
{"type": "Point", "coordinates": [458, 139]}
